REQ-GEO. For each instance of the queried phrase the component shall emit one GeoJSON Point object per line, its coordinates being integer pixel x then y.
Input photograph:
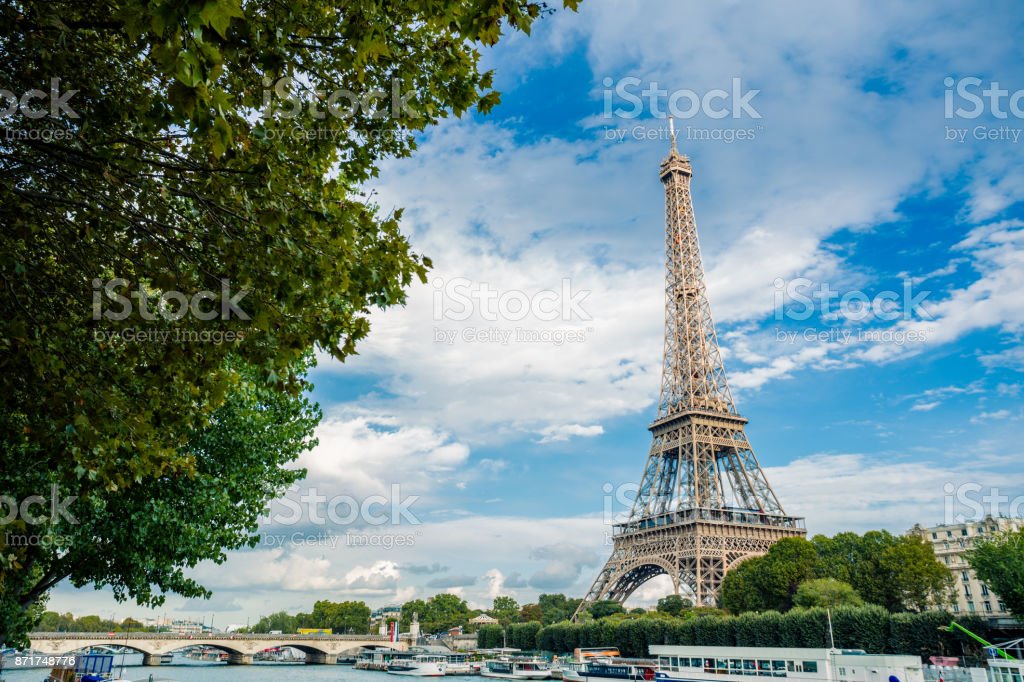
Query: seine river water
{"type": "Point", "coordinates": [187, 671]}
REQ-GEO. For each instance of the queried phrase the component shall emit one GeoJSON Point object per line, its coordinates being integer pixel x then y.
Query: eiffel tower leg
{"type": "Point", "coordinates": [623, 574]}
{"type": "Point", "coordinates": [600, 586]}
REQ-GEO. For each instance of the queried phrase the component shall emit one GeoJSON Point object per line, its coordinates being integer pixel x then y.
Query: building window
{"type": "Point", "coordinates": [956, 608]}
{"type": "Point", "coordinates": [935, 536]}
{"type": "Point", "coordinates": [949, 533]}
{"type": "Point", "coordinates": [970, 606]}
{"type": "Point", "coordinates": [963, 531]}
{"type": "Point", "coordinates": [1002, 606]}
{"type": "Point", "coordinates": [967, 590]}
{"type": "Point", "coordinates": [946, 559]}
{"type": "Point", "coordinates": [965, 576]}
{"type": "Point", "coordinates": [988, 607]}
{"type": "Point", "coordinates": [984, 590]}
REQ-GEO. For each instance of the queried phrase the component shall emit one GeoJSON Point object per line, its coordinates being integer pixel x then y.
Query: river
{"type": "Point", "coordinates": [183, 670]}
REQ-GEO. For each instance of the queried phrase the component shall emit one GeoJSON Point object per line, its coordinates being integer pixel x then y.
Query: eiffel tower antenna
{"type": "Point", "coordinates": [704, 504]}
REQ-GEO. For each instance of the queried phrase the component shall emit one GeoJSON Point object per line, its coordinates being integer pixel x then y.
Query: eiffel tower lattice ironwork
{"type": "Point", "coordinates": [704, 504]}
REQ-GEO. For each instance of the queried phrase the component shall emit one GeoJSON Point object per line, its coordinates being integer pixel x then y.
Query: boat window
{"type": "Point", "coordinates": [778, 668]}
{"type": "Point", "coordinates": [749, 668]}
{"type": "Point", "coordinates": [663, 661]}
{"type": "Point", "coordinates": [764, 668]}
{"type": "Point", "coordinates": [791, 666]}
{"type": "Point", "coordinates": [675, 662]}
{"type": "Point", "coordinates": [696, 663]}
{"type": "Point", "coordinates": [810, 666]}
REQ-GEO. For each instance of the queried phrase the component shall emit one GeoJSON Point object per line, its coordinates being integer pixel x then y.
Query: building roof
{"type": "Point", "coordinates": [484, 618]}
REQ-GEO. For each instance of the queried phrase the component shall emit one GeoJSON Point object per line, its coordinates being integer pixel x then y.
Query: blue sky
{"type": "Point", "coordinates": [853, 179]}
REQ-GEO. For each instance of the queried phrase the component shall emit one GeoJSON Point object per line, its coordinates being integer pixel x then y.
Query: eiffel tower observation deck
{"type": "Point", "coordinates": [704, 504]}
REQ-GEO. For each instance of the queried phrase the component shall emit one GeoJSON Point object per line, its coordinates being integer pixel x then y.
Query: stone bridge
{"type": "Point", "coordinates": [322, 649]}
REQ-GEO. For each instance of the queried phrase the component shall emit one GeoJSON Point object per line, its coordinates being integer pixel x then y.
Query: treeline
{"type": "Point", "coordinates": [347, 617]}
{"type": "Point", "coordinates": [870, 628]}
{"type": "Point", "coordinates": [51, 621]}
{"type": "Point", "coordinates": [899, 573]}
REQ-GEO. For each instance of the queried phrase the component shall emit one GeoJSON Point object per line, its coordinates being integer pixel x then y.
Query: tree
{"type": "Point", "coordinates": [673, 604]}
{"type": "Point", "coordinates": [557, 607]}
{"type": "Point", "coordinates": [826, 593]}
{"type": "Point", "coordinates": [999, 563]}
{"type": "Point", "coordinates": [916, 580]}
{"type": "Point", "coordinates": [445, 611]}
{"type": "Point", "coordinates": [898, 573]}
{"type": "Point", "coordinates": [506, 610]}
{"type": "Point", "coordinates": [415, 606]}
{"type": "Point", "coordinates": [280, 621]}
{"type": "Point", "coordinates": [769, 582]}
{"type": "Point", "coordinates": [51, 621]}
{"type": "Point", "coordinates": [189, 160]}
{"type": "Point", "coordinates": [531, 612]}
{"type": "Point", "coordinates": [341, 617]}
{"type": "Point", "coordinates": [159, 527]}
{"type": "Point", "coordinates": [605, 608]}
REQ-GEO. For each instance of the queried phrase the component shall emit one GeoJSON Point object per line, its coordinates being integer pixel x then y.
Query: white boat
{"type": "Point", "coordinates": [458, 664]}
{"type": "Point", "coordinates": [1003, 670]}
{"type": "Point", "coordinates": [601, 669]}
{"type": "Point", "coordinates": [517, 669]}
{"type": "Point", "coordinates": [420, 665]}
{"type": "Point", "coordinates": [741, 664]}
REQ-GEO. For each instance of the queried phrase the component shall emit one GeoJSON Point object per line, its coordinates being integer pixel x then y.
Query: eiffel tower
{"type": "Point", "coordinates": [704, 504]}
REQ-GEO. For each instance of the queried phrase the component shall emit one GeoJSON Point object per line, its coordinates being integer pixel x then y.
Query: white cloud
{"type": "Point", "coordinates": [563, 432]}
{"type": "Point", "coordinates": [990, 416]}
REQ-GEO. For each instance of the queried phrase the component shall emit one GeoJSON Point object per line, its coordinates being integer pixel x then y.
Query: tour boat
{"type": "Point", "coordinates": [517, 669]}
{"type": "Point", "coordinates": [459, 664]}
{"type": "Point", "coordinates": [1003, 670]}
{"type": "Point", "coordinates": [599, 669]}
{"type": "Point", "coordinates": [740, 664]}
{"type": "Point", "coordinates": [420, 665]}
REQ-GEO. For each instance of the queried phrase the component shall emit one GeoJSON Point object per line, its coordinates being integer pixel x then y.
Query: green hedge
{"type": "Point", "coordinates": [870, 628]}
